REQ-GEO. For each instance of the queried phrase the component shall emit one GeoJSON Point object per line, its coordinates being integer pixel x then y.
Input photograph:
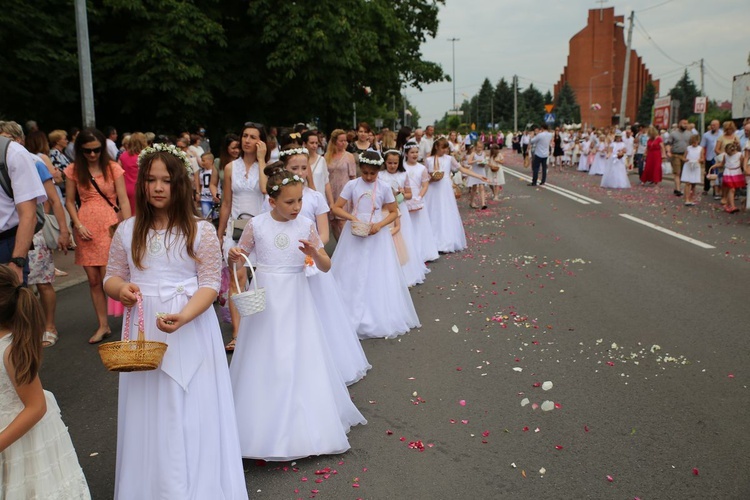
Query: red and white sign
{"type": "Point", "coordinates": [661, 112]}
{"type": "Point", "coordinates": [700, 105]}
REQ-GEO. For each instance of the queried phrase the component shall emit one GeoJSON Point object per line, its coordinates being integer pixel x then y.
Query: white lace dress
{"type": "Point", "coordinates": [414, 268]}
{"type": "Point", "coordinates": [367, 270]}
{"type": "Point", "coordinates": [42, 464]}
{"type": "Point", "coordinates": [440, 202]}
{"type": "Point", "coordinates": [289, 397]}
{"type": "Point", "coordinates": [600, 160]}
{"type": "Point", "coordinates": [583, 161]}
{"type": "Point", "coordinates": [338, 326]}
{"type": "Point", "coordinates": [176, 429]}
{"type": "Point", "coordinates": [424, 240]}
{"type": "Point", "coordinates": [616, 172]}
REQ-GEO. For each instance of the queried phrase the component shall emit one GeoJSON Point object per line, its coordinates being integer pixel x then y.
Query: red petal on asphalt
{"type": "Point", "coordinates": [464, 422]}
{"type": "Point", "coordinates": [402, 438]}
{"type": "Point", "coordinates": [355, 485]}
{"type": "Point", "coordinates": [315, 491]}
{"type": "Point", "coordinates": [318, 481]}
{"type": "Point", "coordinates": [610, 363]}
{"type": "Point", "coordinates": [525, 429]}
{"type": "Point", "coordinates": [695, 471]}
{"type": "Point", "coordinates": [462, 402]}
{"type": "Point", "coordinates": [452, 421]}
{"type": "Point", "coordinates": [558, 447]}
{"type": "Point", "coordinates": [585, 428]}
{"type": "Point", "coordinates": [304, 479]}
{"type": "Point", "coordinates": [558, 405]}
{"type": "Point", "coordinates": [458, 369]}
{"type": "Point", "coordinates": [486, 433]}
{"type": "Point", "coordinates": [610, 478]}
{"type": "Point", "coordinates": [364, 469]}
{"type": "Point", "coordinates": [731, 375]}
{"type": "Point", "coordinates": [537, 384]}
{"type": "Point", "coordinates": [260, 463]}
{"type": "Point", "coordinates": [389, 432]}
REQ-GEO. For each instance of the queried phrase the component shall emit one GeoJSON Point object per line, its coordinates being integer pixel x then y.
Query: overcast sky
{"type": "Point", "coordinates": [531, 39]}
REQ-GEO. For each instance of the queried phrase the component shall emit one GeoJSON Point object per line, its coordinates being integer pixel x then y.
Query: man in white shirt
{"type": "Point", "coordinates": [112, 150]}
{"type": "Point", "coordinates": [629, 142]}
{"type": "Point", "coordinates": [425, 145]}
{"type": "Point", "coordinates": [540, 151]}
{"type": "Point", "coordinates": [18, 214]}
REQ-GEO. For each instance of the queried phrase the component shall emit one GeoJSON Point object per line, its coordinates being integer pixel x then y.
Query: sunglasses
{"type": "Point", "coordinates": [88, 151]}
{"type": "Point", "coordinates": [259, 126]}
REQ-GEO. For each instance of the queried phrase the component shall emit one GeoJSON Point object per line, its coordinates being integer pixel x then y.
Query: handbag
{"type": "Point", "coordinates": [238, 225]}
{"type": "Point", "coordinates": [51, 231]}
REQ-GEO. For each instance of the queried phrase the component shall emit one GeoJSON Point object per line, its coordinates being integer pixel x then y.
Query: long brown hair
{"type": "Point", "coordinates": [331, 149]}
{"type": "Point", "coordinates": [180, 213]}
{"type": "Point", "coordinates": [21, 313]}
{"type": "Point", "coordinates": [83, 177]}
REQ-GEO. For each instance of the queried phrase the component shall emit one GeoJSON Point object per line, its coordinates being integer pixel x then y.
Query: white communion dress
{"type": "Point", "coordinates": [42, 464]}
{"type": "Point", "coordinates": [176, 428]}
{"type": "Point", "coordinates": [367, 269]}
{"type": "Point", "coordinates": [424, 240]}
{"type": "Point", "coordinates": [616, 173]}
{"type": "Point", "coordinates": [290, 399]}
{"type": "Point", "coordinates": [600, 160]}
{"type": "Point", "coordinates": [440, 202]}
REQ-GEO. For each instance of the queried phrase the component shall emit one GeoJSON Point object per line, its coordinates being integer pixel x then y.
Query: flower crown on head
{"type": "Point", "coordinates": [392, 151]}
{"type": "Point", "coordinates": [367, 161]}
{"type": "Point", "coordinates": [165, 148]}
{"type": "Point", "coordinates": [285, 181]}
{"type": "Point", "coordinates": [293, 151]}
{"type": "Point", "coordinates": [410, 145]}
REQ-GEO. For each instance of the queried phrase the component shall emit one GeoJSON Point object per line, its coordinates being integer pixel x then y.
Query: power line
{"type": "Point", "coordinates": [653, 42]}
{"type": "Point", "coordinates": [655, 6]}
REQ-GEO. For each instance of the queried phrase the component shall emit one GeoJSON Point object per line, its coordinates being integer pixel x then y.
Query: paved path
{"type": "Point", "coordinates": [641, 333]}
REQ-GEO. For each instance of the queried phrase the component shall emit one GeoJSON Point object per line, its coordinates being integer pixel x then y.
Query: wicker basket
{"type": "Point", "coordinates": [494, 167]}
{"type": "Point", "coordinates": [712, 175]}
{"type": "Point", "coordinates": [361, 228]}
{"type": "Point", "coordinates": [252, 301]}
{"type": "Point", "coordinates": [132, 355]}
{"type": "Point", "coordinates": [436, 175]}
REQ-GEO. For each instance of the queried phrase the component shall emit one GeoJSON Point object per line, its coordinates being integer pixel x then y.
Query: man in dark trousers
{"type": "Point", "coordinates": [540, 150]}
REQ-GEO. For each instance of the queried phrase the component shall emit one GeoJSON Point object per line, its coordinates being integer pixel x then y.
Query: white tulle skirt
{"type": "Point", "coordinates": [289, 397]}
{"type": "Point", "coordinates": [414, 268]}
{"type": "Point", "coordinates": [372, 285]}
{"type": "Point", "coordinates": [615, 175]}
{"type": "Point", "coordinates": [42, 464]}
{"type": "Point", "coordinates": [338, 329]}
{"type": "Point", "coordinates": [599, 164]}
{"type": "Point", "coordinates": [424, 240]}
{"type": "Point", "coordinates": [583, 163]}
{"type": "Point", "coordinates": [445, 220]}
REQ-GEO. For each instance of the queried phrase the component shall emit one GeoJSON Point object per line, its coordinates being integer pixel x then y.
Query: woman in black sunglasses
{"type": "Point", "coordinates": [99, 183]}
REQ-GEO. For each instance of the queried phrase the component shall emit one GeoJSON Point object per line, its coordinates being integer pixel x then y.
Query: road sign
{"type": "Point", "coordinates": [457, 112]}
{"type": "Point", "coordinates": [661, 112]}
{"type": "Point", "coordinates": [549, 107]}
{"type": "Point", "coordinates": [549, 118]}
{"type": "Point", "coordinates": [473, 136]}
{"type": "Point", "coordinates": [700, 105]}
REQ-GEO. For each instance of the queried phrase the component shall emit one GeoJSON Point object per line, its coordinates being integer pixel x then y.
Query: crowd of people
{"type": "Point", "coordinates": [267, 204]}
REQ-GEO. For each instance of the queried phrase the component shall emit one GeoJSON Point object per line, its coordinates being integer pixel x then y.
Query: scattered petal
{"type": "Point", "coordinates": [585, 428]}
{"type": "Point", "coordinates": [525, 401]}
{"type": "Point", "coordinates": [486, 433]}
{"type": "Point", "coordinates": [94, 454]}
{"type": "Point", "coordinates": [542, 471]}
{"type": "Point", "coordinates": [517, 369]}
{"type": "Point", "coordinates": [513, 464]}
{"type": "Point", "coordinates": [534, 406]}
{"type": "Point", "coordinates": [389, 432]}
{"type": "Point", "coordinates": [695, 471]}
{"type": "Point", "coordinates": [547, 386]}
{"type": "Point", "coordinates": [525, 429]}
{"type": "Point", "coordinates": [558, 447]}
{"type": "Point", "coordinates": [548, 406]}
{"type": "Point", "coordinates": [454, 328]}
{"type": "Point", "coordinates": [610, 478]}
{"type": "Point", "coordinates": [462, 402]}
{"type": "Point", "coordinates": [523, 473]}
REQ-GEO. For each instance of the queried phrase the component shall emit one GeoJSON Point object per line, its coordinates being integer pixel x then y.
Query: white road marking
{"type": "Point", "coordinates": [668, 231]}
{"type": "Point", "coordinates": [584, 200]}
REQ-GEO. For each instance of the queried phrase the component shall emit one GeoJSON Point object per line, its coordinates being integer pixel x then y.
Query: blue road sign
{"type": "Point", "coordinates": [549, 118]}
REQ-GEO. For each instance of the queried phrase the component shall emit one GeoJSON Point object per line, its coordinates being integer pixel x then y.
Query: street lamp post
{"type": "Point", "coordinates": [591, 81]}
{"type": "Point", "coordinates": [453, 43]}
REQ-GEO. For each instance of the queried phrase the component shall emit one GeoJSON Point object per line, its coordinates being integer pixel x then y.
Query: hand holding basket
{"type": "Point", "coordinates": [250, 302]}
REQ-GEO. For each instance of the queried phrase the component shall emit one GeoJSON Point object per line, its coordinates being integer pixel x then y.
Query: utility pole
{"type": "Point", "coordinates": [492, 109]}
{"type": "Point", "coordinates": [515, 102]}
{"type": "Point", "coordinates": [453, 43]}
{"type": "Point", "coordinates": [84, 65]}
{"type": "Point", "coordinates": [703, 94]}
{"type": "Point", "coordinates": [354, 115]}
{"type": "Point", "coordinates": [626, 73]}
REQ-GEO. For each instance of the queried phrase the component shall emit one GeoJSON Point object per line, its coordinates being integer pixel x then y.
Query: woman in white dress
{"type": "Point", "coordinates": [440, 201]}
{"type": "Point", "coordinates": [424, 240]}
{"type": "Point", "coordinates": [244, 190]}
{"type": "Point", "coordinates": [289, 397]}
{"type": "Point", "coordinates": [176, 429]}
{"type": "Point", "coordinates": [395, 176]}
{"type": "Point", "coordinates": [366, 268]}
{"type": "Point", "coordinates": [338, 326]}
{"type": "Point", "coordinates": [616, 172]}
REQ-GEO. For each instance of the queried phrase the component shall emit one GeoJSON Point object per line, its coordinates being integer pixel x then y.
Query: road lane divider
{"type": "Point", "coordinates": [668, 231]}
{"type": "Point", "coordinates": [584, 200]}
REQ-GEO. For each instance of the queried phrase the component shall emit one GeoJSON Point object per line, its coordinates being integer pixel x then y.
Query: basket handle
{"type": "Point", "coordinates": [141, 330]}
{"type": "Point", "coordinates": [371, 194]}
{"type": "Point", "coordinates": [252, 273]}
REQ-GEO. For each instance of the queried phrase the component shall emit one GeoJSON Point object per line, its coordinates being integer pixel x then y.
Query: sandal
{"type": "Point", "coordinates": [95, 340]}
{"type": "Point", "coordinates": [49, 339]}
{"type": "Point", "coordinates": [231, 345]}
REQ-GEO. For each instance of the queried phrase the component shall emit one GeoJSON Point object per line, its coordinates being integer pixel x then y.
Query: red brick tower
{"type": "Point", "coordinates": [596, 62]}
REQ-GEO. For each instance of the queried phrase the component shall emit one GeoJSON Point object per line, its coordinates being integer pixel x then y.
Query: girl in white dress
{"type": "Point", "coordinates": [424, 240]}
{"type": "Point", "coordinates": [244, 193]}
{"type": "Point", "coordinates": [290, 399]}
{"type": "Point", "coordinates": [338, 326]}
{"type": "Point", "coordinates": [367, 270]}
{"type": "Point", "coordinates": [497, 179]}
{"type": "Point", "coordinates": [583, 160]}
{"type": "Point", "coordinates": [37, 459]}
{"type": "Point", "coordinates": [691, 172]}
{"type": "Point", "coordinates": [477, 162]}
{"type": "Point", "coordinates": [440, 201]}
{"type": "Point", "coordinates": [395, 176]}
{"type": "Point", "coordinates": [176, 429]}
{"type": "Point", "coordinates": [616, 171]}
{"type": "Point", "coordinates": [600, 158]}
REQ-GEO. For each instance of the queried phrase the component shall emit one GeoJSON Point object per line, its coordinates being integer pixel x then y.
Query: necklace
{"type": "Point", "coordinates": [156, 245]}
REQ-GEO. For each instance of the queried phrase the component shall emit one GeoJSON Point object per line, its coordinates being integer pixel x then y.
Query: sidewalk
{"type": "Point", "coordinates": [76, 274]}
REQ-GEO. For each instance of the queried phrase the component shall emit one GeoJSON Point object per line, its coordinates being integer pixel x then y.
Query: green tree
{"type": "Point", "coordinates": [684, 91]}
{"type": "Point", "coordinates": [532, 110]}
{"type": "Point", "coordinates": [503, 104]}
{"type": "Point", "coordinates": [566, 106]}
{"type": "Point", "coordinates": [548, 97]}
{"type": "Point", "coordinates": [646, 105]}
{"type": "Point", "coordinates": [485, 102]}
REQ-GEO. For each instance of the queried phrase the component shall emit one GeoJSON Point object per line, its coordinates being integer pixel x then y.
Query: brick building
{"type": "Point", "coordinates": [596, 62]}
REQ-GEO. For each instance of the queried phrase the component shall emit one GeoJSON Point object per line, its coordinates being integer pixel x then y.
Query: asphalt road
{"type": "Point", "coordinates": [642, 335]}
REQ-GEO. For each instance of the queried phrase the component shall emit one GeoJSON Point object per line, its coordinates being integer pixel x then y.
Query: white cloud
{"type": "Point", "coordinates": [530, 39]}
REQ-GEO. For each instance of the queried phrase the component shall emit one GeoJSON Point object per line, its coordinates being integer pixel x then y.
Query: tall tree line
{"type": "Point", "coordinates": [173, 64]}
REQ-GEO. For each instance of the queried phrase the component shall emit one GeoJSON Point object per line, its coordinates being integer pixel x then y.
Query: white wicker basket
{"type": "Point", "coordinates": [250, 302]}
{"type": "Point", "coordinates": [362, 228]}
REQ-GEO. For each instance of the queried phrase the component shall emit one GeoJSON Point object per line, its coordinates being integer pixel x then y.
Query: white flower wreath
{"type": "Point", "coordinates": [377, 163]}
{"type": "Point", "coordinates": [287, 180]}
{"type": "Point", "coordinates": [294, 151]}
{"type": "Point", "coordinates": [166, 148]}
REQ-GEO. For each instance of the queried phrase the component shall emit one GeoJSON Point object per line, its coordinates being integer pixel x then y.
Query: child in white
{"type": "Point", "coordinates": [204, 178]}
{"type": "Point", "coordinates": [338, 326]}
{"type": "Point", "coordinates": [289, 397]}
{"type": "Point", "coordinates": [600, 158]}
{"type": "Point", "coordinates": [477, 162]}
{"type": "Point", "coordinates": [424, 240]}
{"type": "Point", "coordinates": [176, 430]}
{"type": "Point", "coordinates": [615, 174]}
{"type": "Point", "coordinates": [366, 268]}
{"type": "Point", "coordinates": [396, 178]}
{"type": "Point", "coordinates": [583, 160]}
{"type": "Point", "coordinates": [497, 179]}
{"type": "Point", "coordinates": [692, 173]}
{"type": "Point", "coordinates": [37, 459]}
